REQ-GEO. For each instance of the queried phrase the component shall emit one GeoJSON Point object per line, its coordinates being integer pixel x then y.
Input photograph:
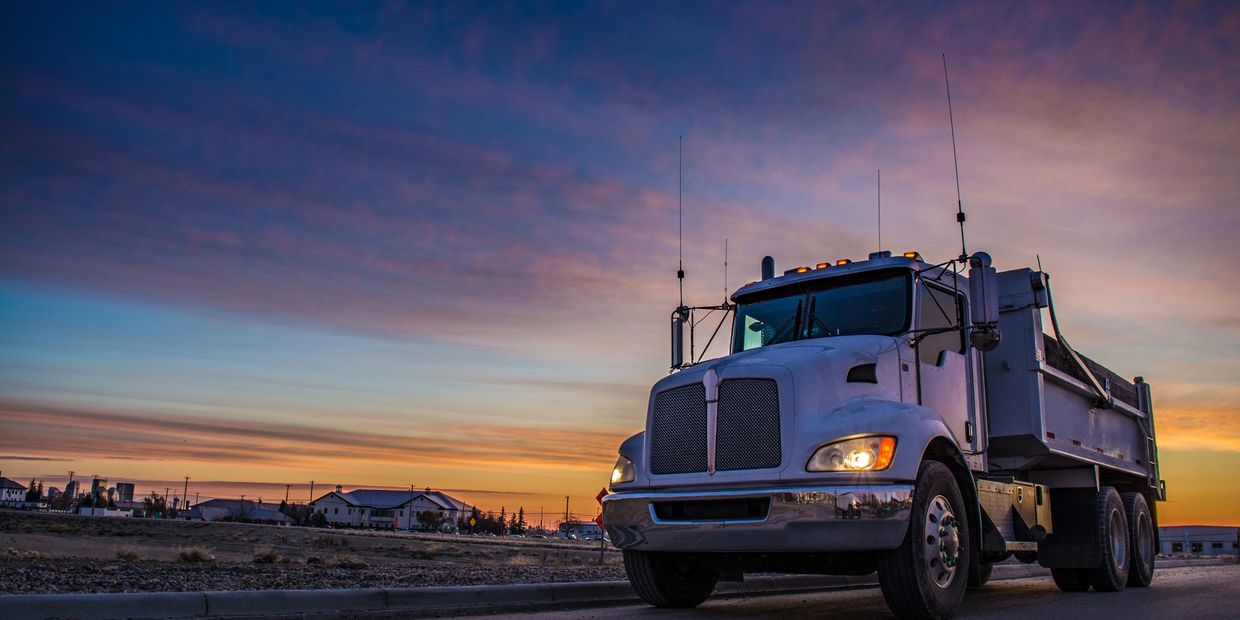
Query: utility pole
{"type": "Point", "coordinates": [166, 490]}
{"type": "Point", "coordinates": [566, 512]}
{"type": "Point", "coordinates": [286, 489]}
{"type": "Point", "coordinates": [311, 492]}
{"type": "Point", "coordinates": [185, 494]}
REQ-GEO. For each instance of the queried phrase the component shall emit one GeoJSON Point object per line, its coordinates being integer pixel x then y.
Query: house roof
{"type": "Point", "coordinates": [5, 483]}
{"type": "Point", "coordinates": [387, 498]}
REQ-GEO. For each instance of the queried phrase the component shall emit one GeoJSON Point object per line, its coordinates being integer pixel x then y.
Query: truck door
{"type": "Point", "coordinates": [941, 363]}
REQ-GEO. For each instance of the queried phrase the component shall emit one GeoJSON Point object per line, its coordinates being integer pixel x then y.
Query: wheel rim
{"type": "Point", "coordinates": [942, 543]}
{"type": "Point", "coordinates": [1145, 540]}
{"type": "Point", "coordinates": [1119, 542]}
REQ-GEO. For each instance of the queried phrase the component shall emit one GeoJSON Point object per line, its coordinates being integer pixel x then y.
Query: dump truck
{"type": "Point", "coordinates": [888, 415]}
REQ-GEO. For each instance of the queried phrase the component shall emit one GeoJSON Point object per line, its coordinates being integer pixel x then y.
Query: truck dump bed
{"type": "Point", "coordinates": [1042, 411]}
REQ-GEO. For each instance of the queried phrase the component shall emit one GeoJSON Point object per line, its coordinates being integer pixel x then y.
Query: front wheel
{"type": "Point", "coordinates": [673, 580]}
{"type": "Point", "coordinates": [925, 577]}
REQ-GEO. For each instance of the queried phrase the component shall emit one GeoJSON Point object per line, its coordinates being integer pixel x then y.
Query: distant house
{"type": "Point", "coordinates": [239, 510]}
{"type": "Point", "coordinates": [12, 493]}
{"type": "Point", "coordinates": [386, 509]}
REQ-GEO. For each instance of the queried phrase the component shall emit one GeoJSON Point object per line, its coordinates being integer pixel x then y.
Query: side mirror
{"type": "Point", "coordinates": [679, 318]}
{"type": "Point", "coordinates": [983, 303]}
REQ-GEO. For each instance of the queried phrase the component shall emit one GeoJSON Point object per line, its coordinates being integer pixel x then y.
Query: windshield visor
{"type": "Point", "coordinates": [869, 303]}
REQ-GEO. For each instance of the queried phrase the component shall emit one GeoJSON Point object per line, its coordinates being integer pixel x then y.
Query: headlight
{"type": "Point", "coordinates": [863, 454]}
{"type": "Point", "coordinates": [623, 471]}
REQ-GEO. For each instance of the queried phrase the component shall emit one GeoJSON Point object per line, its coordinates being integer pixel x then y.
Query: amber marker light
{"type": "Point", "coordinates": [912, 255]}
{"type": "Point", "coordinates": [842, 261]}
{"type": "Point", "coordinates": [822, 265]}
{"type": "Point", "coordinates": [802, 269]}
{"type": "Point", "coordinates": [886, 451]}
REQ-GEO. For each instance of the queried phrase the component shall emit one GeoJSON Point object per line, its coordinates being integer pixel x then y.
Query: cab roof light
{"type": "Point", "coordinates": [843, 261]}
{"type": "Point", "coordinates": [913, 255]}
{"type": "Point", "coordinates": [822, 265]}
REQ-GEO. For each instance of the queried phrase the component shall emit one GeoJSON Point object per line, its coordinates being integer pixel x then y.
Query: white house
{"type": "Point", "coordinates": [12, 492]}
{"type": "Point", "coordinates": [386, 509]}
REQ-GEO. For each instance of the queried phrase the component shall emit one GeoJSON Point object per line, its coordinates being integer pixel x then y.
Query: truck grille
{"type": "Point", "coordinates": [678, 431]}
{"type": "Point", "coordinates": [747, 428]}
{"type": "Point", "coordinates": [747, 436]}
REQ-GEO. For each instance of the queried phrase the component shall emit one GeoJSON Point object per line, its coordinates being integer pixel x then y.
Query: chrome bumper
{"type": "Point", "coordinates": [799, 519]}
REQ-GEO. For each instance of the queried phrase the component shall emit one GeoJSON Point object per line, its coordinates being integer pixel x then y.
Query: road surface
{"type": "Point", "coordinates": [1191, 592]}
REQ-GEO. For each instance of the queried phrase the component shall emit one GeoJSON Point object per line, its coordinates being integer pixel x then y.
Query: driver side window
{"type": "Point", "coordinates": [939, 310]}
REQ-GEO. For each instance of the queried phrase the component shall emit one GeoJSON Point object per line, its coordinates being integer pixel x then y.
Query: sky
{"type": "Point", "coordinates": [386, 244]}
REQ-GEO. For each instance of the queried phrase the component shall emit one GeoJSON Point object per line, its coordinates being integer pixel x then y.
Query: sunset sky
{"type": "Point", "coordinates": [415, 244]}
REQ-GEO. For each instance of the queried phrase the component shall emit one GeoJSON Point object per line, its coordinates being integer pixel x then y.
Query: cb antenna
{"type": "Point", "coordinates": [880, 209]}
{"type": "Point", "coordinates": [964, 254]}
{"type": "Point", "coordinates": [680, 206]}
{"type": "Point", "coordinates": [725, 270]}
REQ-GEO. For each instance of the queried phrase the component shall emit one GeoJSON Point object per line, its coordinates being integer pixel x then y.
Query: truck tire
{"type": "Point", "coordinates": [1071, 579]}
{"type": "Point", "coordinates": [1141, 531]}
{"type": "Point", "coordinates": [673, 580]}
{"type": "Point", "coordinates": [925, 577]}
{"type": "Point", "coordinates": [1112, 537]}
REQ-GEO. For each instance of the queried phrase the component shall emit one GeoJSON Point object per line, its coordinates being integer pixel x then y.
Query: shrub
{"type": "Point", "coordinates": [195, 554]}
{"type": "Point", "coordinates": [266, 555]}
{"type": "Point", "coordinates": [129, 553]}
{"type": "Point", "coordinates": [314, 559]}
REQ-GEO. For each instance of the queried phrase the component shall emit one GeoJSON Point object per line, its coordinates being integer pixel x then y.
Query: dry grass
{"type": "Point", "coordinates": [126, 552]}
{"type": "Point", "coordinates": [57, 527]}
{"type": "Point", "coordinates": [24, 554]}
{"type": "Point", "coordinates": [347, 560]}
{"type": "Point", "coordinates": [195, 554]}
{"type": "Point", "coordinates": [314, 559]}
{"type": "Point", "coordinates": [266, 555]}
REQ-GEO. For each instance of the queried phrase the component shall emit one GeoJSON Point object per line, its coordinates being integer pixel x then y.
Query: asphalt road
{"type": "Point", "coordinates": [1190, 592]}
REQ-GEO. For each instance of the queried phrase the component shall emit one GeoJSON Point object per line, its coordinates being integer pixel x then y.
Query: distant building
{"type": "Point", "coordinates": [582, 530]}
{"type": "Point", "coordinates": [12, 492]}
{"type": "Point", "coordinates": [104, 512]}
{"type": "Point", "coordinates": [386, 509]}
{"type": "Point", "coordinates": [99, 489]}
{"type": "Point", "coordinates": [1199, 540]}
{"type": "Point", "coordinates": [71, 490]}
{"type": "Point", "coordinates": [244, 511]}
{"type": "Point", "coordinates": [124, 492]}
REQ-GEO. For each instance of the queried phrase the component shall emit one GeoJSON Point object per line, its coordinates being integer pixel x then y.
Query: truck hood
{"type": "Point", "coordinates": [817, 355]}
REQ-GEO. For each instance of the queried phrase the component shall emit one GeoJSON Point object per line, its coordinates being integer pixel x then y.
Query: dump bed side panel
{"type": "Point", "coordinates": [1041, 408]}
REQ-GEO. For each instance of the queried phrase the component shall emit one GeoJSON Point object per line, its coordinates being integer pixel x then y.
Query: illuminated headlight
{"type": "Point", "coordinates": [623, 471]}
{"type": "Point", "coordinates": [863, 454]}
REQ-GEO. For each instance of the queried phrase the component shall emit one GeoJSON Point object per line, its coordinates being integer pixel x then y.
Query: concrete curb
{"type": "Point", "coordinates": [282, 603]}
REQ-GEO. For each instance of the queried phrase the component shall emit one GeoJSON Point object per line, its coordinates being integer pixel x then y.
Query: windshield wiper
{"type": "Point", "coordinates": [795, 321]}
{"type": "Point", "coordinates": [826, 331]}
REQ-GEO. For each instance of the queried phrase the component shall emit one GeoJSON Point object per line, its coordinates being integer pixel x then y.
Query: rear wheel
{"type": "Point", "coordinates": [1112, 535]}
{"type": "Point", "coordinates": [1141, 531]}
{"type": "Point", "coordinates": [669, 579]}
{"type": "Point", "coordinates": [925, 576]}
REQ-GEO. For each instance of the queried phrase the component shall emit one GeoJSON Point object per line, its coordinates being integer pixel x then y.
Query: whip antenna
{"type": "Point", "coordinates": [680, 207]}
{"type": "Point", "coordinates": [725, 270]}
{"type": "Point", "coordinates": [964, 254]}
{"type": "Point", "coordinates": [880, 210]}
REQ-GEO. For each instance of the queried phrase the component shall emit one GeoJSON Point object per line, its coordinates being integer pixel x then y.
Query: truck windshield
{"type": "Point", "coordinates": [867, 303]}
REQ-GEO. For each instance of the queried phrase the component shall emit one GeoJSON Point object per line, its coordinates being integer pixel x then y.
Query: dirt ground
{"type": "Point", "coordinates": [42, 553]}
